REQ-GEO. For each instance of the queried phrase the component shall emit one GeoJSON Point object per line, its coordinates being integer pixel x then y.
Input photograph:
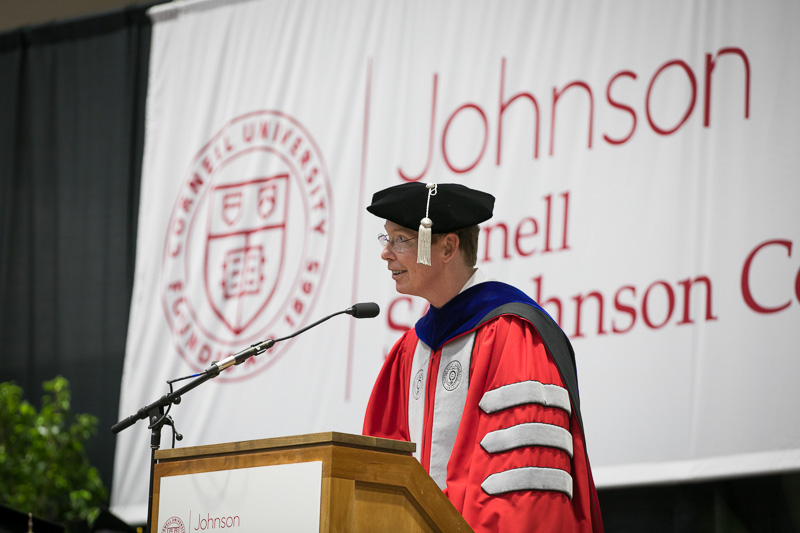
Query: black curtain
{"type": "Point", "coordinates": [71, 131]}
{"type": "Point", "coordinates": [752, 504]}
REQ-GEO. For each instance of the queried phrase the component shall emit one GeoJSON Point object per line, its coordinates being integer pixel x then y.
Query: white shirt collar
{"type": "Point", "coordinates": [477, 277]}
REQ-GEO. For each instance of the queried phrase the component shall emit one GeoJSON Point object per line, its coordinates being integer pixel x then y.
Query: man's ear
{"type": "Point", "coordinates": [450, 244]}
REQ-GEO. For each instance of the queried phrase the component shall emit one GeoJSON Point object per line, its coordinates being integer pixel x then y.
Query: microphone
{"type": "Point", "coordinates": [239, 358]}
{"type": "Point", "coordinates": [364, 310]}
{"type": "Point", "coordinates": [359, 310]}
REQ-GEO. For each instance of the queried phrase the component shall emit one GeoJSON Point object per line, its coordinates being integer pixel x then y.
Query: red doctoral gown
{"type": "Point", "coordinates": [494, 427]}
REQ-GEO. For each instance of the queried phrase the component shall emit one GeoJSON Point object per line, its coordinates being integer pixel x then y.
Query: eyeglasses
{"type": "Point", "coordinates": [398, 244]}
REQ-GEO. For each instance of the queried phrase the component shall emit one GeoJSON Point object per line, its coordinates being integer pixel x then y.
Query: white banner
{"type": "Point", "coordinates": [645, 164]}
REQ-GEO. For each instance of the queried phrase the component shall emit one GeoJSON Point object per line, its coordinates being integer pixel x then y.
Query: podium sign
{"type": "Point", "coordinates": [246, 500]}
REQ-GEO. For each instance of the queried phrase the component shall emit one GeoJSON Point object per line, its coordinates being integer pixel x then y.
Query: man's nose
{"type": "Point", "coordinates": [387, 253]}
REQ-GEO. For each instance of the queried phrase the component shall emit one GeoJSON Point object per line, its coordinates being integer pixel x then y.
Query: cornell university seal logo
{"type": "Point", "coordinates": [247, 242]}
{"type": "Point", "coordinates": [451, 377]}
{"type": "Point", "coordinates": [173, 525]}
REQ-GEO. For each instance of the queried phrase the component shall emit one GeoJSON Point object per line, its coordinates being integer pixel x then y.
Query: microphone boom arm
{"type": "Point", "coordinates": [361, 310]}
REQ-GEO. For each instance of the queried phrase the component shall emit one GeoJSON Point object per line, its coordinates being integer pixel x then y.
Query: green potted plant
{"type": "Point", "coordinates": [43, 462]}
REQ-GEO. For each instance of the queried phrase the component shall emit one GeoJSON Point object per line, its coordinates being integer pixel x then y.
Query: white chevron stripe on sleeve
{"type": "Point", "coordinates": [528, 478]}
{"type": "Point", "coordinates": [525, 392]}
{"type": "Point", "coordinates": [528, 434]}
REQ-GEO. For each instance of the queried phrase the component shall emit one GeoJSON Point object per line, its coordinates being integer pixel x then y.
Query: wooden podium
{"type": "Point", "coordinates": [368, 484]}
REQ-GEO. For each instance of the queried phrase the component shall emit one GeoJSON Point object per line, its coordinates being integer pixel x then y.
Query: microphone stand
{"type": "Point", "coordinates": [159, 417]}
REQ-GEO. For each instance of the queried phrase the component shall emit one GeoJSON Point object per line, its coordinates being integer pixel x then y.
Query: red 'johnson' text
{"type": "Point", "coordinates": [527, 102]}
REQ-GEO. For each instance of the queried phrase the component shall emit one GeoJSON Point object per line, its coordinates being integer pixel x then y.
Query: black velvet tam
{"type": "Point", "coordinates": [453, 206]}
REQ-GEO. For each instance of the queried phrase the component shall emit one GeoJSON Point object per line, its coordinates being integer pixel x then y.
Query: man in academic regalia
{"type": "Point", "coordinates": [485, 383]}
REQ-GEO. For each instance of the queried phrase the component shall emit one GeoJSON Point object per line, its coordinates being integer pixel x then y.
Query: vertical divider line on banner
{"type": "Point", "coordinates": [359, 218]}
